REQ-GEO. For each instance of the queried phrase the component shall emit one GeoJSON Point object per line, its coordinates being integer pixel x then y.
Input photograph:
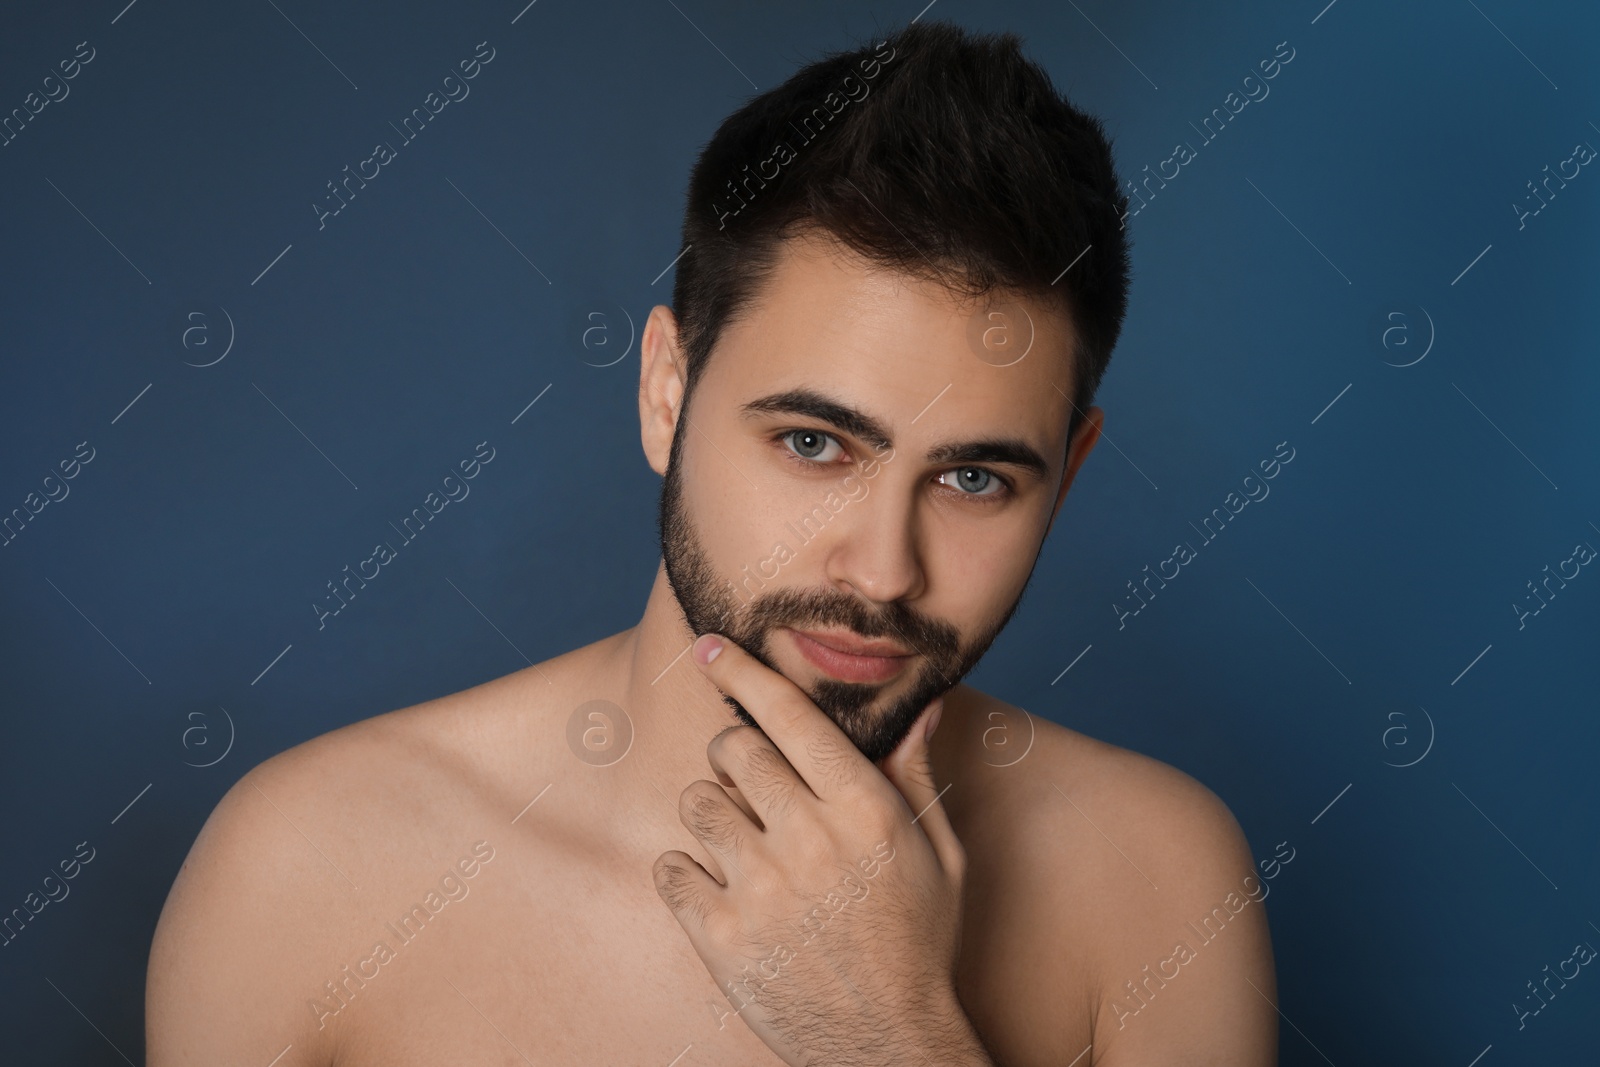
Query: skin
{"type": "Point", "coordinates": [990, 895]}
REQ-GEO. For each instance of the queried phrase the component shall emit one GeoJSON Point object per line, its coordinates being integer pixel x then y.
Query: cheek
{"type": "Point", "coordinates": [981, 567]}
{"type": "Point", "coordinates": [737, 523]}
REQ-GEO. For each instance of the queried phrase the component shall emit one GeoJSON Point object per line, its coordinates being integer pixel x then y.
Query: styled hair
{"type": "Point", "coordinates": [943, 154]}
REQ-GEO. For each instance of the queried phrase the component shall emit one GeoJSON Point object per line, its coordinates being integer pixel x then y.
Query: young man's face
{"type": "Point", "coordinates": [793, 530]}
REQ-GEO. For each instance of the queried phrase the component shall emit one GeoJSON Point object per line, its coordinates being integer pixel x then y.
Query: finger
{"type": "Point", "coordinates": [717, 822]}
{"type": "Point", "coordinates": [910, 769]}
{"type": "Point", "coordinates": [815, 747]}
{"type": "Point", "coordinates": [684, 886]}
{"type": "Point", "coordinates": [747, 760]}
{"type": "Point", "coordinates": [738, 797]}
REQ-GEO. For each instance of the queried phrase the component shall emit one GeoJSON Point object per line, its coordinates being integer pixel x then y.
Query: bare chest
{"type": "Point", "coordinates": [556, 960]}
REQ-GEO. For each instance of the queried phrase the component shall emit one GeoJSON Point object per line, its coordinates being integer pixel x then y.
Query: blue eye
{"type": "Point", "coordinates": [974, 481]}
{"type": "Point", "coordinates": [811, 444]}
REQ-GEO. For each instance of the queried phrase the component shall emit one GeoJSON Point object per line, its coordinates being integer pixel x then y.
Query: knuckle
{"type": "Point", "coordinates": [957, 862]}
{"type": "Point", "coordinates": [705, 815]}
{"type": "Point", "coordinates": [818, 850]}
{"type": "Point", "coordinates": [768, 780]}
{"type": "Point", "coordinates": [721, 926]}
{"type": "Point", "coordinates": [880, 822]}
{"type": "Point", "coordinates": [839, 766]}
{"type": "Point", "coordinates": [762, 772]}
{"type": "Point", "coordinates": [672, 882]}
{"type": "Point", "coordinates": [720, 740]}
{"type": "Point", "coordinates": [733, 743]}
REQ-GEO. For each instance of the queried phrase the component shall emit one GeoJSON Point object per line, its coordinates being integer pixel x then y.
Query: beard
{"type": "Point", "coordinates": [710, 604]}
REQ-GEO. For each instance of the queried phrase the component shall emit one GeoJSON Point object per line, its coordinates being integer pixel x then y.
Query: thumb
{"type": "Point", "coordinates": [910, 770]}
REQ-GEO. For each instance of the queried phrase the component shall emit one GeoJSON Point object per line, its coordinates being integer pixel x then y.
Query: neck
{"type": "Point", "coordinates": [675, 710]}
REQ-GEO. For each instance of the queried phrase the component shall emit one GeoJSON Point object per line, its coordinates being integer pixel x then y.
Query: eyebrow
{"type": "Point", "coordinates": [1011, 451]}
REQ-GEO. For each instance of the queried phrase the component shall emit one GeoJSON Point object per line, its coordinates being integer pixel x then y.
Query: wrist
{"type": "Point", "coordinates": [946, 1035]}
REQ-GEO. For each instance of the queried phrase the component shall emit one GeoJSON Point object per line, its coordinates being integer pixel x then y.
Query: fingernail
{"type": "Point", "coordinates": [933, 718]}
{"type": "Point", "coordinates": [707, 647]}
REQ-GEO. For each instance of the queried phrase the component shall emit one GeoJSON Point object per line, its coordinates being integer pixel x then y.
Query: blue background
{"type": "Point", "coordinates": [1357, 619]}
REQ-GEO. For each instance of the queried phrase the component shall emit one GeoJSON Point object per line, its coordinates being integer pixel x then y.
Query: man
{"type": "Point", "coordinates": [730, 835]}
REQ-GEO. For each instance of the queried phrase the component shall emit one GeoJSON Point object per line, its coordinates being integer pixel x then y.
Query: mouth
{"type": "Point", "coordinates": [849, 658]}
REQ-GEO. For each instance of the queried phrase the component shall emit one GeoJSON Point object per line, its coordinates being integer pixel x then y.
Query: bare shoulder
{"type": "Point", "coordinates": [1129, 868]}
{"type": "Point", "coordinates": [293, 869]}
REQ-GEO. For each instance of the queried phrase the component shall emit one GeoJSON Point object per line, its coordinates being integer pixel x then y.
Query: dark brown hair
{"type": "Point", "coordinates": [941, 153]}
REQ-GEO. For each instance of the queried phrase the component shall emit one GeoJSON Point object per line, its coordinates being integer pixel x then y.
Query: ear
{"type": "Point", "coordinates": [662, 374]}
{"type": "Point", "coordinates": [1084, 439]}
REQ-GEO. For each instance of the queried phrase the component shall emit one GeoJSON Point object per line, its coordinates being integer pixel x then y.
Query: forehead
{"type": "Point", "coordinates": [892, 344]}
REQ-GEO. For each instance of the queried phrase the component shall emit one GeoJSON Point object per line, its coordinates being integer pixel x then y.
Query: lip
{"type": "Point", "coordinates": [848, 658]}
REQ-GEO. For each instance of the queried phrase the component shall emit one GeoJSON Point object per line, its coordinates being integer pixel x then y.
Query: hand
{"type": "Point", "coordinates": [836, 934]}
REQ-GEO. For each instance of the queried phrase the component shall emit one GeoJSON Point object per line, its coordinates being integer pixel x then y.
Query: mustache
{"type": "Point", "coordinates": [797, 608]}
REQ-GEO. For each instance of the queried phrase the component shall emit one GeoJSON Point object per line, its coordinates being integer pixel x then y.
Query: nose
{"type": "Point", "coordinates": [875, 552]}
